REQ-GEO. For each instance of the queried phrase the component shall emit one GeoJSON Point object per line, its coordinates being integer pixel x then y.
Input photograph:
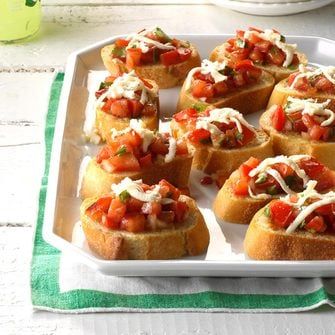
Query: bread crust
{"type": "Point", "coordinates": [164, 76]}
{"type": "Point", "coordinates": [235, 209]}
{"type": "Point", "coordinates": [97, 181]}
{"type": "Point", "coordinates": [291, 143]}
{"type": "Point", "coordinates": [224, 161]}
{"type": "Point", "coordinates": [281, 92]}
{"type": "Point", "coordinates": [264, 242]}
{"type": "Point", "coordinates": [279, 73]}
{"type": "Point", "coordinates": [191, 238]}
{"type": "Point", "coordinates": [246, 101]}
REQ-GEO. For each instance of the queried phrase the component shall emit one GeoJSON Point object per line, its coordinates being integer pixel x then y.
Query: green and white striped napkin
{"type": "Point", "coordinates": [60, 284]}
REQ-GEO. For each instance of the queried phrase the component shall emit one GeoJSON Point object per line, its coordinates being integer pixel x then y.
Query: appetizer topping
{"type": "Point", "coordinates": [220, 127]}
{"type": "Point", "coordinates": [151, 47]}
{"type": "Point", "coordinates": [266, 47]}
{"type": "Point", "coordinates": [313, 80]}
{"type": "Point", "coordinates": [136, 148]}
{"type": "Point", "coordinates": [136, 207]}
{"type": "Point", "coordinates": [312, 119]}
{"type": "Point", "coordinates": [281, 175]}
{"type": "Point", "coordinates": [308, 210]}
{"type": "Point", "coordinates": [214, 79]}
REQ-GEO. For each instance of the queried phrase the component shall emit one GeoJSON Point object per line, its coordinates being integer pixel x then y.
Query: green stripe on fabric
{"type": "Point", "coordinates": [45, 269]}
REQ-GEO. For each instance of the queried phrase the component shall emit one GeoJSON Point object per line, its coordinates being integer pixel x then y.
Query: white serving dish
{"type": "Point", "coordinates": [225, 255]}
{"type": "Point", "coordinates": [271, 7]}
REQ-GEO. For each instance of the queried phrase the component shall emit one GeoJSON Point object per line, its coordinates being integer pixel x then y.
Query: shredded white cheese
{"type": "Point", "coordinates": [329, 73]}
{"type": "Point", "coordinates": [125, 86]}
{"type": "Point", "coordinates": [207, 67]}
{"type": "Point", "coordinates": [146, 134]}
{"type": "Point", "coordinates": [274, 38]}
{"type": "Point", "coordinates": [266, 167]}
{"type": "Point", "coordinates": [172, 150]}
{"type": "Point", "coordinates": [133, 187]}
{"type": "Point", "coordinates": [311, 107]}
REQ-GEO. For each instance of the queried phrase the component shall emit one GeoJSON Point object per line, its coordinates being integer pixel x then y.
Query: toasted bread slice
{"type": "Point", "coordinates": [191, 238]}
{"type": "Point", "coordinates": [279, 72]}
{"type": "Point", "coordinates": [224, 161]}
{"type": "Point", "coordinates": [232, 208]}
{"type": "Point", "coordinates": [246, 100]}
{"type": "Point", "coordinates": [282, 91]}
{"type": "Point", "coordinates": [97, 181]}
{"type": "Point", "coordinates": [263, 241]}
{"type": "Point", "coordinates": [291, 143]}
{"type": "Point", "coordinates": [164, 76]}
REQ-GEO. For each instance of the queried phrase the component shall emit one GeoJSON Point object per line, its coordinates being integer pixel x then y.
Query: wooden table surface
{"type": "Point", "coordinates": [26, 71]}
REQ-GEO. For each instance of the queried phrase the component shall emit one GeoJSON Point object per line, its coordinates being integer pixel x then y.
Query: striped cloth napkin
{"type": "Point", "coordinates": [60, 284]}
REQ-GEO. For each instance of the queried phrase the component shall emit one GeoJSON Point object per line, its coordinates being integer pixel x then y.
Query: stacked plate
{"type": "Point", "coordinates": [271, 7]}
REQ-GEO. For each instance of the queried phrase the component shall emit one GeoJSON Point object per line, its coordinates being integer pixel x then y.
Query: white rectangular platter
{"type": "Point", "coordinates": [225, 255]}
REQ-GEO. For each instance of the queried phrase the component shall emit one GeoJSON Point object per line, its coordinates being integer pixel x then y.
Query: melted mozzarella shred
{"type": "Point", "coordinates": [266, 167]}
{"type": "Point", "coordinates": [311, 107]}
{"type": "Point", "coordinates": [208, 67]}
{"type": "Point", "coordinates": [139, 40]}
{"type": "Point", "coordinates": [172, 150]}
{"type": "Point", "coordinates": [125, 86]}
{"type": "Point", "coordinates": [274, 38]}
{"type": "Point", "coordinates": [133, 187]}
{"type": "Point", "coordinates": [147, 135]}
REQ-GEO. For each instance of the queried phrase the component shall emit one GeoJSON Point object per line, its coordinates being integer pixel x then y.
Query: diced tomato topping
{"type": "Point", "coordinates": [263, 46]}
{"type": "Point", "coordinates": [135, 107]}
{"type": "Point", "coordinates": [145, 161]}
{"type": "Point", "coordinates": [206, 180]}
{"type": "Point", "coordinates": [121, 43]}
{"type": "Point", "coordinates": [134, 223]}
{"type": "Point", "coordinates": [317, 133]}
{"type": "Point", "coordinates": [97, 209]}
{"type": "Point", "coordinates": [134, 205]}
{"type": "Point", "coordinates": [133, 57]}
{"type": "Point", "coordinates": [241, 187]}
{"type": "Point", "coordinates": [119, 163]}
{"type": "Point", "coordinates": [278, 118]}
{"type": "Point", "coordinates": [184, 54]}
{"type": "Point", "coordinates": [153, 208]}
{"type": "Point", "coordinates": [202, 89]}
{"type": "Point", "coordinates": [182, 148]}
{"type": "Point", "coordinates": [173, 192]}
{"type": "Point", "coordinates": [170, 58]}
{"type": "Point", "coordinates": [158, 147]}
{"type": "Point", "coordinates": [282, 214]}
{"type": "Point", "coordinates": [179, 208]}
{"type": "Point", "coordinates": [317, 224]}
{"type": "Point", "coordinates": [116, 212]}
{"type": "Point", "coordinates": [185, 114]}
{"type": "Point", "coordinates": [131, 138]}
{"type": "Point", "coordinates": [283, 169]}
{"type": "Point", "coordinates": [199, 136]}
{"type": "Point", "coordinates": [104, 153]}
{"type": "Point", "coordinates": [256, 55]}
{"type": "Point", "coordinates": [245, 64]}
{"type": "Point", "coordinates": [221, 88]}
{"type": "Point", "coordinates": [119, 108]}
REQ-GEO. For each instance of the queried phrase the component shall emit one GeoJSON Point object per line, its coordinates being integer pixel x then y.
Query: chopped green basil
{"type": "Point", "coordinates": [261, 178]}
{"type": "Point", "coordinates": [160, 34]}
{"type": "Point", "coordinates": [282, 39]}
{"type": "Point", "coordinates": [104, 84]}
{"type": "Point", "coordinates": [124, 195]}
{"type": "Point", "coordinates": [239, 136]}
{"type": "Point", "coordinates": [119, 52]}
{"type": "Point", "coordinates": [272, 190]}
{"type": "Point", "coordinates": [240, 43]}
{"type": "Point", "coordinates": [267, 211]}
{"type": "Point", "coordinates": [293, 67]}
{"type": "Point", "coordinates": [199, 107]}
{"type": "Point", "coordinates": [121, 151]}
{"type": "Point", "coordinates": [155, 55]}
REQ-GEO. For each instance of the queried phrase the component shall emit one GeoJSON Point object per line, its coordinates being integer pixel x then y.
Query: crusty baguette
{"type": "Point", "coordinates": [264, 242]}
{"type": "Point", "coordinates": [104, 122]}
{"type": "Point", "coordinates": [191, 238]}
{"type": "Point", "coordinates": [164, 76]}
{"type": "Point", "coordinates": [279, 72]}
{"type": "Point", "coordinates": [97, 181]}
{"type": "Point", "coordinates": [232, 208]}
{"type": "Point", "coordinates": [245, 100]}
{"type": "Point", "coordinates": [224, 161]}
{"type": "Point", "coordinates": [282, 91]}
{"type": "Point", "coordinates": [291, 143]}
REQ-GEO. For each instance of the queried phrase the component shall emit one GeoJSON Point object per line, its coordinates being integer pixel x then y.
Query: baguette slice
{"type": "Point", "coordinates": [164, 76]}
{"type": "Point", "coordinates": [235, 209]}
{"type": "Point", "coordinates": [224, 161]}
{"type": "Point", "coordinates": [291, 143]}
{"type": "Point", "coordinates": [279, 72]}
{"type": "Point", "coordinates": [265, 242]}
{"type": "Point", "coordinates": [97, 181]}
{"type": "Point", "coordinates": [246, 101]}
{"type": "Point", "coordinates": [282, 91]}
{"type": "Point", "coordinates": [191, 238]}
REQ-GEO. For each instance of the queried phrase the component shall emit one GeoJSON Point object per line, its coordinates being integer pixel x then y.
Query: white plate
{"type": "Point", "coordinates": [225, 255]}
{"type": "Point", "coordinates": [271, 7]}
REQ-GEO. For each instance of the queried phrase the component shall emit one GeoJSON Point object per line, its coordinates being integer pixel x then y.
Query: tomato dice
{"type": "Point", "coordinates": [116, 212]}
{"type": "Point", "coordinates": [145, 161]}
{"type": "Point", "coordinates": [199, 136]}
{"type": "Point", "coordinates": [275, 56]}
{"type": "Point", "coordinates": [134, 223]}
{"type": "Point", "coordinates": [182, 148]}
{"type": "Point", "coordinates": [133, 57]}
{"type": "Point", "coordinates": [241, 187]}
{"type": "Point", "coordinates": [120, 163]}
{"type": "Point", "coordinates": [317, 224]}
{"type": "Point", "coordinates": [202, 89]}
{"type": "Point", "coordinates": [179, 208]}
{"type": "Point", "coordinates": [185, 114]}
{"type": "Point", "coordinates": [278, 118]}
{"type": "Point", "coordinates": [170, 58]}
{"type": "Point", "coordinates": [121, 43]}
{"type": "Point", "coordinates": [135, 107]}
{"type": "Point", "coordinates": [282, 214]}
{"type": "Point", "coordinates": [119, 108]}
{"type": "Point", "coordinates": [317, 133]}
{"type": "Point", "coordinates": [158, 147]}
{"type": "Point", "coordinates": [97, 209]}
{"type": "Point", "coordinates": [184, 54]}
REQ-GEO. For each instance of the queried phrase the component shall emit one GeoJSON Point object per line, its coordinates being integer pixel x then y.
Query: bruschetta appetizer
{"type": "Point", "coordinates": [219, 139]}
{"type": "Point", "coordinates": [122, 99]}
{"type": "Point", "coordinates": [241, 86]}
{"type": "Point", "coordinates": [138, 221]}
{"type": "Point", "coordinates": [137, 153]}
{"type": "Point", "coordinates": [153, 55]}
{"type": "Point", "coordinates": [256, 183]}
{"type": "Point", "coordinates": [302, 126]}
{"type": "Point", "coordinates": [267, 49]}
{"type": "Point", "coordinates": [295, 227]}
{"type": "Point", "coordinates": [308, 82]}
